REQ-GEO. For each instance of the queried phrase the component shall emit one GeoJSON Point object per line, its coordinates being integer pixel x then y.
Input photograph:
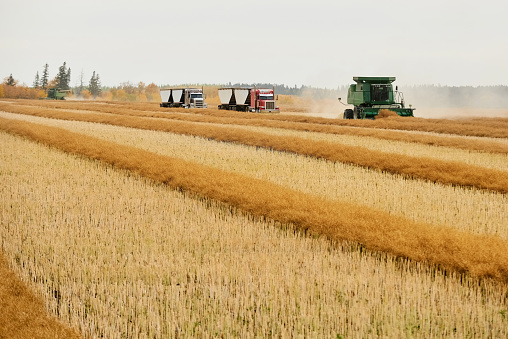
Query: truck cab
{"type": "Point", "coordinates": [263, 100]}
{"type": "Point", "coordinates": [183, 97]}
{"type": "Point", "coordinates": [195, 99]}
{"type": "Point", "coordinates": [247, 99]}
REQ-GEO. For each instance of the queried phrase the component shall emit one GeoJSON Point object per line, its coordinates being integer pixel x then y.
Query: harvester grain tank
{"type": "Point", "coordinates": [183, 97]}
{"type": "Point", "coordinates": [247, 99]}
{"type": "Point", "coordinates": [371, 94]}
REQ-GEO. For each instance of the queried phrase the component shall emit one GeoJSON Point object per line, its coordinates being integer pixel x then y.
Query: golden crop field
{"type": "Point", "coordinates": [132, 221]}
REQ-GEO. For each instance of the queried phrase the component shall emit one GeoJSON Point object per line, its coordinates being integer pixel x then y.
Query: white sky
{"type": "Point", "coordinates": [321, 43]}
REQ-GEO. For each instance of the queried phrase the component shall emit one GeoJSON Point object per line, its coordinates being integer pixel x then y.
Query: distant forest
{"type": "Point", "coordinates": [417, 95]}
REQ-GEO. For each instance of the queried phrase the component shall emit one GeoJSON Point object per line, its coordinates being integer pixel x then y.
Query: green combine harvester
{"type": "Point", "coordinates": [57, 94]}
{"type": "Point", "coordinates": [371, 94]}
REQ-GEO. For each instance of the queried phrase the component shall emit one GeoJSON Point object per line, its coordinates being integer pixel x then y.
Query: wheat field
{"type": "Point", "coordinates": [115, 254]}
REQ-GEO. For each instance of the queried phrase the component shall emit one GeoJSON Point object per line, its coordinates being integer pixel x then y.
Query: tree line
{"type": "Point", "coordinates": [418, 95]}
{"type": "Point", "coordinates": [62, 81]}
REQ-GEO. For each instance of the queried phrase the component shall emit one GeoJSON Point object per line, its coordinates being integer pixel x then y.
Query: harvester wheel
{"type": "Point", "coordinates": [348, 114]}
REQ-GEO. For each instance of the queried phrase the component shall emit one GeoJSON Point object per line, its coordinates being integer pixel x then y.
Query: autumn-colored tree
{"type": "Point", "coordinates": [20, 92]}
{"type": "Point", "coordinates": [120, 95]}
{"type": "Point", "coordinates": [106, 95]}
{"type": "Point", "coordinates": [85, 94]}
{"type": "Point", "coordinates": [141, 87]}
{"type": "Point", "coordinates": [152, 92]}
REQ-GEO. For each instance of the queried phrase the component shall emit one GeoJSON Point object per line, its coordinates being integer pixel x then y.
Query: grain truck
{"type": "Point", "coordinates": [371, 94]}
{"type": "Point", "coordinates": [183, 97]}
{"type": "Point", "coordinates": [247, 99]}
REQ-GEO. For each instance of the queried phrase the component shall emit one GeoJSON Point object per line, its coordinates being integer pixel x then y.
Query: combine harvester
{"type": "Point", "coordinates": [247, 99]}
{"type": "Point", "coordinates": [57, 94]}
{"type": "Point", "coordinates": [183, 97]}
{"type": "Point", "coordinates": [371, 94]}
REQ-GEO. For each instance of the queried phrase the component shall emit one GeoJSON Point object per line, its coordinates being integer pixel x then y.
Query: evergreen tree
{"type": "Point", "coordinates": [9, 81]}
{"type": "Point", "coordinates": [68, 79]}
{"type": "Point", "coordinates": [37, 81]}
{"type": "Point", "coordinates": [95, 85]}
{"type": "Point", "coordinates": [61, 77]}
{"type": "Point", "coordinates": [45, 77]}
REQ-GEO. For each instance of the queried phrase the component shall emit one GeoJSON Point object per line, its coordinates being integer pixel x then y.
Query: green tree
{"type": "Point", "coordinates": [45, 77]}
{"type": "Point", "coordinates": [95, 85]}
{"type": "Point", "coordinates": [63, 77]}
{"type": "Point", "coordinates": [68, 79]}
{"type": "Point", "coordinates": [9, 81]}
{"type": "Point", "coordinates": [37, 81]}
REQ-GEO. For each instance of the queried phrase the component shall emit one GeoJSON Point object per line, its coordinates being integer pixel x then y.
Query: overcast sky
{"type": "Point", "coordinates": [317, 43]}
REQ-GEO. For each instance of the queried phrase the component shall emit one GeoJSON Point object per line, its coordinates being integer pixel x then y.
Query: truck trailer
{"type": "Point", "coordinates": [247, 99]}
{"type": "Point", "coordinates": [183, 97]}
{"type": "Point", "coordinates": [371, 94]}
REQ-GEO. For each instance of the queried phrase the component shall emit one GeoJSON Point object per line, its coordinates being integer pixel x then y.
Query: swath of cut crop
{"type": "Point", "coordinates": [483, 256]}
{"type": "Point", "coordinates": [434, 140]}
{"type": "Point", "coordinates": [23, 314]}
{"type": "Point", "coordinates": [236, 257]}
{"type": "Point", "coordinates": [434, 170]}
{"type": "Point", "coordinates": [326, 126]}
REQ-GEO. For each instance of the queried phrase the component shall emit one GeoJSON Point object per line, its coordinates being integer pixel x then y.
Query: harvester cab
{"type": "Point", "coordinates": [371, 94]}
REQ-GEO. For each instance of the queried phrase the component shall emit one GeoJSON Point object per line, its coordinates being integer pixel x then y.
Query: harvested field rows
{"type": "Point", "coordinates": [475, 211]}
{"type": "Point", "coordinates": [466, 143]}
{"type": "Point", "coordinates": [199, 237]}
{"type": "Point", "coordinates": [492, 160]}
{"type": "Point", "coordinates": [24, 314]}
{"type": "Point", "coordinates": [412, 167]}
{"type": "Point", "coordinates": [148, 262]}
{"type": "Point", "coordinates": [492, 127]}
{"type": "Point", "coordinates": [334, 219]}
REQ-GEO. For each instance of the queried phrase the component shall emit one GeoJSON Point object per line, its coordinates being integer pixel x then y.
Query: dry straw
{"type": "Point", "coordinates": [130, 258]}
{"type": "Point", "coordinates": [259, 120]}
{"type": "Point", "coordinates": [337, 220]}
{"type": "Point", "coordinates": [23, 313]}
{"type": "Point", "coordinates": [151, 262]}
{"type": "Point", "coordinates": [412, 167]}
{"type": "Point", "coordinates": [471, 210]}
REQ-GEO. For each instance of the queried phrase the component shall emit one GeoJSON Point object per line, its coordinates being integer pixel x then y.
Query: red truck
{"type": "Point", "coordinates": [247, 99]}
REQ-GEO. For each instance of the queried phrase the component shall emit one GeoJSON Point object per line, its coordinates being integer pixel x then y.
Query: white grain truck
{"type": "Point", "coordinates": [247, 99]}
{"type": "Point", "coordinates": [183, 97]}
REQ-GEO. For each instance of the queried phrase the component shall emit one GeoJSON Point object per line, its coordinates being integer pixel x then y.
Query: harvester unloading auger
{"type": "Point", "coordinates": [371, 94]}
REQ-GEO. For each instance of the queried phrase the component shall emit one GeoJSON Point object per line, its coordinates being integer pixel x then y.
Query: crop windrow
{"type": "Point", "coordinates": [23, 313]}
{"type": "Point", "coordinates": [434, 170]}
{"type": "Point", "coordinates": [482, 256]}
{"type": "Point", "coordinates": [478, 127]}
{"type": "Point", "coordinates": [464, 127]}
{"type": "Point", "coordinates": [230, 119]}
